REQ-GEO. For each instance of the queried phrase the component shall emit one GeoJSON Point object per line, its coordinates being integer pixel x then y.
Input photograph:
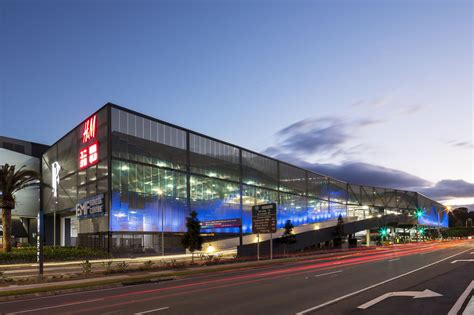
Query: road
{"type": "Point", "coordinates": [339, 284]}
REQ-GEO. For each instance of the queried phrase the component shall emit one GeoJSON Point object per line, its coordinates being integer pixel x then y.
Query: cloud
{"type": "Point", "coordinates": [328, 135]}
{"type": "Point", "coordinates": [363, 173]}
{"type": "Point", "coordinates": [336, 139]}
{"type": "Point", "coordinates": [410, 110]}
{"type": "Point", "coordinates": [448, 188]}
{"type": "Point", "coordinates": [461, 144]}
{"type": "Point", "coordinates": [470, 207]}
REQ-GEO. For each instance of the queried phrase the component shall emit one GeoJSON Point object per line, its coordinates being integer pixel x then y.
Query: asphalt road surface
{"type": "Point", "coordinates": [429, 278]}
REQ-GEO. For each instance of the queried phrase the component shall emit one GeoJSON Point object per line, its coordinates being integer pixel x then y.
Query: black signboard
{"type": "Point", "coordinates": [264, 218]}
{"type": "Point", "coordinates": [90, 207]}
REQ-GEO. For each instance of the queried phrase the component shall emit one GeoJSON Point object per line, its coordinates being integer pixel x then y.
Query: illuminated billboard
{"type": "Point", "coordinates": [89, 154]}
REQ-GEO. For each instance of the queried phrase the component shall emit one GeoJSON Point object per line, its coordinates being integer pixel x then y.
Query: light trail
{"type": "Point", "coordinates": [261, 276]}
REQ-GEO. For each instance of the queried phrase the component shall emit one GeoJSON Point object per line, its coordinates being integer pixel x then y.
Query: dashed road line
{"type": "Point", "coordinates": [377, 284]}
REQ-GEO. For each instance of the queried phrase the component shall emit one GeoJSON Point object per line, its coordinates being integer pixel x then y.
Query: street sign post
{"type": "Point", "coordinates": [263, 222]}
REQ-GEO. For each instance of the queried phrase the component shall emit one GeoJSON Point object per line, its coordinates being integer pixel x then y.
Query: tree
{"type": "Point", "coordinates": [288, 237]}
{"type": "Point", "coordinates": [339, 232]}
{"type": "Point", "coordinates": [192, 239]}
{"type": "Point", "coordinates": [12, 181]}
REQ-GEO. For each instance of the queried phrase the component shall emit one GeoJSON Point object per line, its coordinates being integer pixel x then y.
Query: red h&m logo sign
{"type": "Point", "coordinates": [89, 155]}
{"type": "Point", "coordinates": [88, 129]}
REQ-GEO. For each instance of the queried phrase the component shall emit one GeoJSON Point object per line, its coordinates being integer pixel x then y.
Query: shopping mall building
{"type": "Point", "coordinates": [121, 180]}
{"type": "Point", "coordinates": [27, 154]}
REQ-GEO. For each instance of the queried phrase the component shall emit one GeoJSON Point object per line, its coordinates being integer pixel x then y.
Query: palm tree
{"type": "Point", "coordinates": [11, 182]}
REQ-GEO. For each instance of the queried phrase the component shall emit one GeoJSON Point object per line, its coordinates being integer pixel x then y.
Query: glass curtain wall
{"type": "Point", "coordinates": [161, 172]}
{"type": "Point", "coordinates": [76, 184]}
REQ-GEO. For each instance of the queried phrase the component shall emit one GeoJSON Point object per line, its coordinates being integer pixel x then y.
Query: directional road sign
{"type": "Point", "coordinates": [264, 218]}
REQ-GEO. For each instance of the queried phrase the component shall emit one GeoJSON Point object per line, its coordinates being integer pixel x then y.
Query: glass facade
{"type": "Point", "coordinates": [74, 184]}
{"type": "Point", "coordinates": [161, 172]}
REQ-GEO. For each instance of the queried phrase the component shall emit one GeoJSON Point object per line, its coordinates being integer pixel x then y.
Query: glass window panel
{"type": "Point", "coordinates": [259, 171]}
{"type": "Point", "coordinates": [378, 197]}
{"type": "Point", "coordinates": [292, 179]}
{"type": "Point", "coordinates": [131, 130]}
{"type": "Point", "coordinates": [318, 210]}
{"type": "Point", "coordinates": [337, 191]}
{"type": "Point", "coordinates": [123, 127]}
{"type": "Point", "coordinates": [293, 208]}
{"type": "Point", "coordinates": [147, 129]}
{"type": "Point", "coordinates": [213, 158]}
{"type": "Point", "coordinates": [215, 199]}
{"type": "Point", "coordinates": [139, 127]}
{"type": "Point", "coordinates": [115, 119]}
{"type": "Point", "coordinates": [354, 194]}
{"type": "Point", "coordinates": [317, 186]}
{"type": "Point", "coordinates": [337, 209]}
{"type": "Point", "coordinates": [163, 208]}
{"type": "Point", "coordinates": [367, 195]}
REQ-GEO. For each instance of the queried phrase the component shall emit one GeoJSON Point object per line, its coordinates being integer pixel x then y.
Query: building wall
{"type": "Point", "coordinates": [23, 147]}
{"type": "Point", "coordinates": [27, 200]}
{"type": "Point", "coordinates": [76, 184]}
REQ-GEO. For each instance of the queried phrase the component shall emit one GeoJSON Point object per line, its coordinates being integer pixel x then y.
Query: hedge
{"type": "Point", "coordinates": [28, 254]}
{"type": "Point", "coordinates": [458, 232]}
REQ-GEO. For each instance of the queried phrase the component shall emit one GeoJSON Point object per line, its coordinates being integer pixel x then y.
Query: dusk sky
{"type": "Point", "coordinates": [375, 92]}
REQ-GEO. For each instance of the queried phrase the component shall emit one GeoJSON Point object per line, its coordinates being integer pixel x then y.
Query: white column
{"type": "Point", "coordinates": [367, 237]}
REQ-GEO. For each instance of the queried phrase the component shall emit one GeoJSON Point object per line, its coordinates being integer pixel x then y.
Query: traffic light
{"type": "Point", "coordinates": [383, 231]}
{"type": "Point", "coordinates": [419, 213]}
{"type": "Point", "coordinates": [421, 231]}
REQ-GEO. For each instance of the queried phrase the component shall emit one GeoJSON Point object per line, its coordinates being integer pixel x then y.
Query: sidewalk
{"type": "Point", "coordinates": [134, 259]}
{"type": "Point", "coordinates": [95, 280]}
{"type": "Point", "coordinates": [71, 267]}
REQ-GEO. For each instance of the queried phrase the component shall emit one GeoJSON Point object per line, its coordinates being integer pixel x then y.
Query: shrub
{"type": "Point", "coordinates": [122, 266]}
{"type": "Point", "coordinates": [108, 266]}
{"type": "Point", "coordinates": [86, 267]}
{"type": "Point", "coordinates": [148, 264]}
{"type": "Point", "coordinates": [28, 254]}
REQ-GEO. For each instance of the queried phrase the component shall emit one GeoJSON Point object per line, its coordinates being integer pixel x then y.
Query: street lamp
{"type": "Point", "coordinates": [419, 213]}
{"type": "Point", "coordinates": [160, 194]}
{"type": "Point", "coordinates": [383, 233]}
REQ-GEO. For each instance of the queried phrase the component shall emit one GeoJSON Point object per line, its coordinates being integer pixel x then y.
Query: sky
{"type": "Point", "coordinates": [373, 92]}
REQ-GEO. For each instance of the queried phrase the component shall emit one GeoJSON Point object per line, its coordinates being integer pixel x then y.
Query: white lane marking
{"type": "Point", "coordinates": [327, 273]}
{"type": "Point", "coordinates": [55, 306]}
{"type": "Point", "coordinates": [468, 260]}
{"type": "Point", "coordinates": [377, 284]}
{"type": "Point", "coordinates": [155, 310]}
{"type": "Point", "coordinates": [415, 294]}
{"type": "Point", "coordinates": [469, 309]}
{"type": "Point", "coordinates": [394, 259]}
{"type": "Point", "coordinates": [457, 306]}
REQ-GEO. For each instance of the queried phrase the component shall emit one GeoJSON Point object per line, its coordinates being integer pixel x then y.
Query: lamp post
{"type": "Point", "coordinates": [160, 194]}
{"type": "Point", "coordinates": [447, 210]}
